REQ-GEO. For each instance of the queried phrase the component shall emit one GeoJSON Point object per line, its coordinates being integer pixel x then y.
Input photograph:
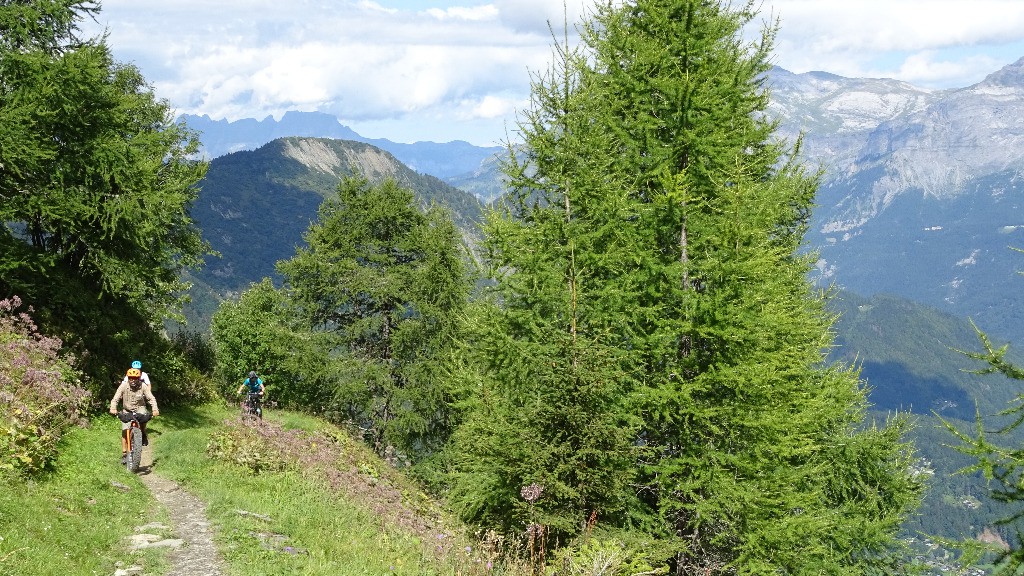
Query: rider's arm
{"type": "Point", "coordinates": [145, 379]}
{"type": "Point", "coordinates": [151, 399]}
{"type": "Point", "coordinates": [117, 397]}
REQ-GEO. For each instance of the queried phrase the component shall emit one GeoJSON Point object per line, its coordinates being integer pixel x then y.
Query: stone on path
{"type": "Point", "coordinates": [194, 554]}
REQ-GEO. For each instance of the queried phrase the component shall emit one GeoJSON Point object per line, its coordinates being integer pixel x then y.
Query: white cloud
{"type": "Point", "coordinates": [928, 68]}
{"type": "Point", "coordinates": [533, 16]}
{"type": "Point", "coordinates": [466, 62]}
{"type": "Point", "coordinates": [885, 25]}
{"type": "Point", "coordinates": [469, 14]}
{"type": "Point", "coordinates": [939, 43]}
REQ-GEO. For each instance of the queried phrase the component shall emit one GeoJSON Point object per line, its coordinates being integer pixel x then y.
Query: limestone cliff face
{"type": "Point", "coordinates": [922, 191]}
{"type": "Point", "coordinates": [331, 157]}
{"type": "Point", "coordinates": [880, 138]}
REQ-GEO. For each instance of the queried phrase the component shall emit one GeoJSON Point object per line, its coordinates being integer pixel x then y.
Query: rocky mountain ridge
{"type": "Point", "coordinates": [254, 206]}
{"type": "Point", "coordinates": [220, 137]}
{"type": "Point", "coordinates": [921, 189]}
{"type": "Point", "coordinates": [934, 142]}
{"type": "Point", "coordinates": [921, 193]}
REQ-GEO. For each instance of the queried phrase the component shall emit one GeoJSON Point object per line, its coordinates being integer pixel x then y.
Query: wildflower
{"type": "Point", "coordinates": [532, 492]}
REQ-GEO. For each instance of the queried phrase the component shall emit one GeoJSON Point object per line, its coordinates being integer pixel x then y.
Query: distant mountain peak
{"type": "Point", "coordinates": [1011, 75]}
{"type": "Point", "coordinates": [442, 160]}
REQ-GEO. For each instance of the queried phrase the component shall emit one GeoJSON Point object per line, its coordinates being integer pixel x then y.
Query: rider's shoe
{"type": "Point", "coordinates": [145, 439]}
{"type": "Point", "coordinates": [124, 458]}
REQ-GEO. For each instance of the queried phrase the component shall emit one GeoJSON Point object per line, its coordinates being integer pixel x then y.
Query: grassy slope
{"type": "Point", "coordinates": [349, 513]}
{"type": "Point", "coordinates": [76, 519]}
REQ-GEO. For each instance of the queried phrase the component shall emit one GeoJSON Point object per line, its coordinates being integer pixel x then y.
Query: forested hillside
{"type": "Point", "coordinates": [623, 368]}
{"type": "Point", "coordinates": [254, 207]}
{"type": "Point", "coordinates": [911, 357]}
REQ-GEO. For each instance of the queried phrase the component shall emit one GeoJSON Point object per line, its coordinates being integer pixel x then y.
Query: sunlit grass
{"type": "Point", "coordinates": [279, 523]}
{"type": "Point", "coordinates": [77, 518]}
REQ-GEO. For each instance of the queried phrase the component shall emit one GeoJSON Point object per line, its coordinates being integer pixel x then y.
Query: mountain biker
{"type": "Point", "coordinates": [134, 395]}
{"type": "Point", "coordinates": [254, 385]}
{"type": "Point", "coordinates": [137, 364]}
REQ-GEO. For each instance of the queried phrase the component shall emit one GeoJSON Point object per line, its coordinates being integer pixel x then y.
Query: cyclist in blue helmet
{"type": "Point", "coordinates": [137, 365]}
{"type": "Point", "coordinates": [254, 385]}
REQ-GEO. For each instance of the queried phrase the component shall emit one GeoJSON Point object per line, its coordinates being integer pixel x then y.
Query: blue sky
{"type": "Point", "coordinates": [458, 70]}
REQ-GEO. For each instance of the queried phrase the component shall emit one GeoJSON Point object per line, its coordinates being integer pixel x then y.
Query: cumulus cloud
{"type": "Point", "coordinates": [939, 43]}
{"type": "Point", "coordinates": [469, 14]}
{"type": "Point", "coordinates": [533, 16]}
{"type": "Point", "coordinates": [467, 62]}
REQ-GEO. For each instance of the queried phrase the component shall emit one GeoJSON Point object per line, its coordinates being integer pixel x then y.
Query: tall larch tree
{"type": "Point", "coordinates": [549, 446]}
{"type": "Point", "coordinates": [96, 183]}
{"type": "Point", "coordinates": [754, 456]}
{"type": "Point", "coordinates": [389, 280]}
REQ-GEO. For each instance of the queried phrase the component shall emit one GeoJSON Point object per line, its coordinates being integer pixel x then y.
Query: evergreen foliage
{"type": "Point", "coordinates": [652, 305]}
{"type": "Point", "coordinates": [549, 406]}
{"type": "Point", "coordinates": [997, 454]}
{"type": "Point", "coordinates": [388, 282]}
{"type": "Point", "coordinates": [96, 181]}
{"type": "Point", "coordinates": [260, 331]}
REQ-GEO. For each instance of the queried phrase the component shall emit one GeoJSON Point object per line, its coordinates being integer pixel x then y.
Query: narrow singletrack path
{"type": "Point", "coordinates": [198, 555]}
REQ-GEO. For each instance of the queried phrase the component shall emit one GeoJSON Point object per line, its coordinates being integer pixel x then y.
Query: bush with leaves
{"type": "Point", "coordinates": [40, 392]}
{"type": "Point", "coordinates": [602, 556]}
{"type": "Point", "coordinates": [257, 332]}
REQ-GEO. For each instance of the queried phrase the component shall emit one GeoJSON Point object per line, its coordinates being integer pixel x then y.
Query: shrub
{"type": "Point", "coordinates": [594, 556]}
{"type": "Point", "coordinates": [41, 395]}
{"type": "Point", "coordinates": [247, 446]}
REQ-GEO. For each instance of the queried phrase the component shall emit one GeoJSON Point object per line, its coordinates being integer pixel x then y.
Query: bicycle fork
{"type": "Point", "coordinates": [126, 440]}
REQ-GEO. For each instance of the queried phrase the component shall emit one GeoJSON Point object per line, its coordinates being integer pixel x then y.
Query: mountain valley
{"type": "Point", "coordinates": [919, 206]}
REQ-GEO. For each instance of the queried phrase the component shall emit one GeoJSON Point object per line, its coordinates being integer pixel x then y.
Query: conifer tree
{"type": "Point", "coordinates": [657, 211]}
{"type": "Point", "coordinates": [96, 184]}
{"type": "Point", "coordinates": [96, 178]}
{"type": "Point", "coordinates": [549, 414]}
{"type": "Point", "coordinates": [998, 457]}
{"type": "Point", "coordinates": [389, 281]}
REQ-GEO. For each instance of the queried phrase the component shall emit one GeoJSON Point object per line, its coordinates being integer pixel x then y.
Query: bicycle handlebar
{"type": "Point", "coordinates": [128, 416]}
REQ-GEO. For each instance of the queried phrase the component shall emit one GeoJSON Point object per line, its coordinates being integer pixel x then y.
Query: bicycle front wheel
{"type": "Point", "coordinates": [135, 450]}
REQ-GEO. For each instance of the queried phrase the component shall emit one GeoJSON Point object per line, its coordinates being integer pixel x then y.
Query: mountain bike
{"type": "Point", "coordinates": [251, 409]}
{"type": "Point", "coordinates": [132, 435]}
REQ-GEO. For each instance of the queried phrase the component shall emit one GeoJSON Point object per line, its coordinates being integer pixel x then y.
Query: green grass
{"type": "Point", "coordinates": [310, 529]}
{"type": "Point", "coordinates": [76, 521]}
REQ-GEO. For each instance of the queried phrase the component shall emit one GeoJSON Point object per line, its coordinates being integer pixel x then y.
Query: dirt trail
{"type": "Point", "coordinates": [193, 552]}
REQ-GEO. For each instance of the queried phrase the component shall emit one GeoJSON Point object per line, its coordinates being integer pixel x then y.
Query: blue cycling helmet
{"type": "Point", "coordinates": [137, 365]}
